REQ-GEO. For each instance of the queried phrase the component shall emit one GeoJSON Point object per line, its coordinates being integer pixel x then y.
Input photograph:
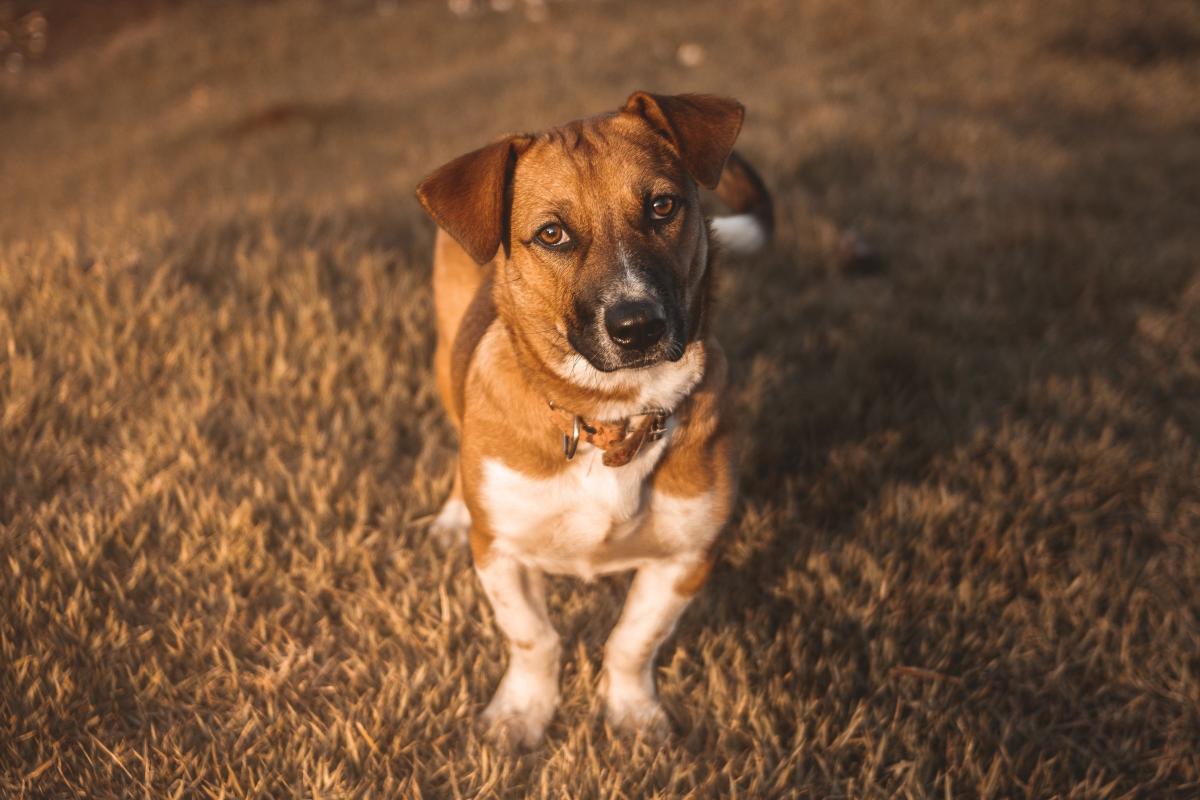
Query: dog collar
{"type": "Point", "coordinates": [620, 439]}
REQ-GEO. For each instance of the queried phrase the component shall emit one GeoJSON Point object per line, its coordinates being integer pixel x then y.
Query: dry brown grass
{"type": "Point", "coordinates": [966, 560]}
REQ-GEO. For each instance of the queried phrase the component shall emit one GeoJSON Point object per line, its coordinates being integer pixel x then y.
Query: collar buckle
{"type": "Point", "coordinates": [658, 423]}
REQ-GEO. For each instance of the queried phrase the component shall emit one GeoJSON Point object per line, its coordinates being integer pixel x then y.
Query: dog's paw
{"type": "Point", "coordinates": [518, 718]}
{"type": "Point", "coordinates": [449, 529]}
{"type": "Point", "coordinates": [637, 715]}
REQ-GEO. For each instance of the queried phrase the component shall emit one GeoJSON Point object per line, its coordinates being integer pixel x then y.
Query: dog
{"type": "Point", "coordinates": [572, 277]}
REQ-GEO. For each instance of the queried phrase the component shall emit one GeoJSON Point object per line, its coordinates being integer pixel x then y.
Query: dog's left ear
{"type": "Point", "coordinates": [702, 128]}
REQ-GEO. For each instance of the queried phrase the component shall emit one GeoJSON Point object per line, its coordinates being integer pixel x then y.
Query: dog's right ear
{"type": "Point", "coordinates": [701, 127]}
{"type": "Point", "coordinates": [470, 196]}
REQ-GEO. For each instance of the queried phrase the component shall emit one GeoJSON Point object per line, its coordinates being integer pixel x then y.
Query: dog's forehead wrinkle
{"type": "Point", "coordinates": [548, 181]}
{"type": "Point", "coordinates": [627, 153]}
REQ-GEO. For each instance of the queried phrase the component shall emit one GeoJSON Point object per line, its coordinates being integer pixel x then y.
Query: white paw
{"type": "Point", "coordinates": [449, 528]}
{"type": "Point", "coordinates": [636, 712]}
{"type": "Point", "coordinates": [520, 711]}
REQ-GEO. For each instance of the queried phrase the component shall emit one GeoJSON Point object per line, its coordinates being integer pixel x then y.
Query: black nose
{"type": "Point", "coordinates": [635, 324]}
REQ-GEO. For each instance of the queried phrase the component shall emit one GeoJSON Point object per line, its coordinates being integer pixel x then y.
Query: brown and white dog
{"type": "Point", "coordinates": [572, 283]}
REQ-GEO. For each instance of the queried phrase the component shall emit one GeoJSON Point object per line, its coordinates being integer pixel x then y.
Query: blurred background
{"type": "Point", "coordinates": [966, 555]}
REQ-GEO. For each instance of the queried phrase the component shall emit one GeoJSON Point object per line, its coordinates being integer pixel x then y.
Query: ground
{"type": "Point", "coordinates": [966, 557]}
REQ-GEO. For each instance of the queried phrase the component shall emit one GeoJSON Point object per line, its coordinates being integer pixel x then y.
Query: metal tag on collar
{"type": "Point", "coordinates": [658, 424]}
{"type": "Point", "coordinates": [571, 441]}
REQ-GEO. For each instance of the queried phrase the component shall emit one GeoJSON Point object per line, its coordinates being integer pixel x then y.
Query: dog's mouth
{"type": "Point", "coordinates": [627, 363]}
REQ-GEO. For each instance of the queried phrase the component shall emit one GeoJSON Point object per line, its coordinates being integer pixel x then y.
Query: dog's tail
{"type": "Point", "coordinates": [753, 220]}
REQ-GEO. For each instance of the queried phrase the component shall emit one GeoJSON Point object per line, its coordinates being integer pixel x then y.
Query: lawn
{"type": "Point", "coordinates": [966, 557]}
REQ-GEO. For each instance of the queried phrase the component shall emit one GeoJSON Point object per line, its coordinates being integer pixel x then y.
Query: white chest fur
{"type": "Point", "coordinates": [586, 520]}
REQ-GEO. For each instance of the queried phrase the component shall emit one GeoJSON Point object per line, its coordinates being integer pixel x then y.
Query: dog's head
{"type": "Point", "coordinates": [604, 244]}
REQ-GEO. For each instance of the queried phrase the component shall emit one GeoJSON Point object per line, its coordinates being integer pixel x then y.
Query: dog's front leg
{"type": "Point", "coordinates": [658, 596]}
{"type": "Point", "coordinates": [528, 693]}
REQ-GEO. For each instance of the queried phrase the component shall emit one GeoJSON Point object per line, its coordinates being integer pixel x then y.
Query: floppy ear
{"type": "Point", "coordinates": [469, 197]}
{"type": "Point", "coordinates": [702, 127]}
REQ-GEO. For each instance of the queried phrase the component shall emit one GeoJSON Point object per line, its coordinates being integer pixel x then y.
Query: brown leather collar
{"type": "Point", "coordinates": [620, 439]}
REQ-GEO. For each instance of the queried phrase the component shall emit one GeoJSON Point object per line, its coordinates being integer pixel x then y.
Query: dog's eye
{"type": "Point", "coordinates": [552, 235]}
{"type": "Point", "coordinates": [663, 206]}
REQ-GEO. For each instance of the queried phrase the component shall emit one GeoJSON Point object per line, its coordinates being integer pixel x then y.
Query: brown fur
{"type": "Point", "coordinates": [694, 581]}
{"type": "Point", "coordinates": [700, 456]}
{"type": "Point", "coordinates": [458, 279]}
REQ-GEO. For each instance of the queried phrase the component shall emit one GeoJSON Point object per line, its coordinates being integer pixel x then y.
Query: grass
{"type": "Point", "coordinates": [966, 558]}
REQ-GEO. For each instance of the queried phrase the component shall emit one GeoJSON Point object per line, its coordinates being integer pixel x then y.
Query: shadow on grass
{"type": "Point", "coordinates": [949, 489]}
